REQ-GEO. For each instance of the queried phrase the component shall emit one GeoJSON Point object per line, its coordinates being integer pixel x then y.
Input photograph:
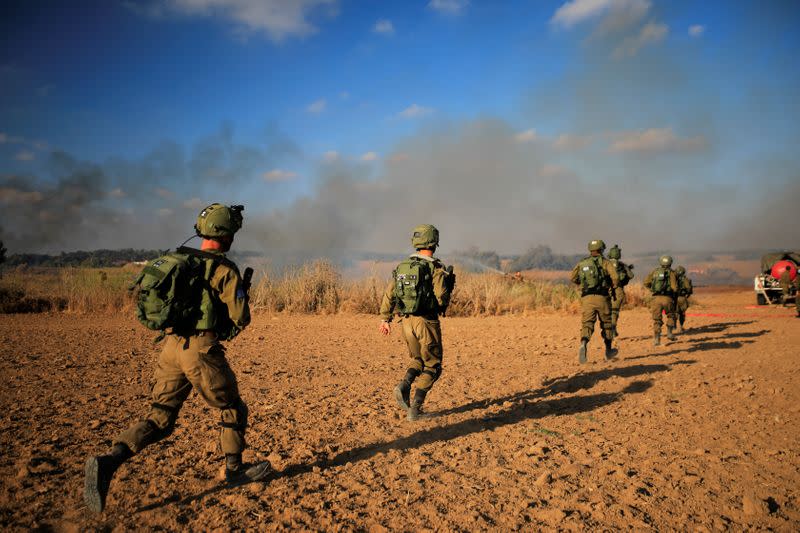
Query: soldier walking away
{"type": "Point", "coordinates": [418, 294]}
{"type": "Point", "coordinates": [663, 283]}
{"type": "Point", "coordinates": [597, 278]}
{"type": "Point", "coordinates": [786, 285]}
{"type": "Point", "coordinates": [685, 290]}
{"type": "Point", "coordinates": [625, 275]}
{"type": "Point", "coordinates": [210, 305]}
{"type": "Point", "coordinates": [797, 294]}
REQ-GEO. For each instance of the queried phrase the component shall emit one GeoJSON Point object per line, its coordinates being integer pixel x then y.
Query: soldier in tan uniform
{"type": "Point", "coordinates": [418, 294]}
{"type": "Point", "coordinates": [663, 283]}
{"type": "Point", "coordinates": [597, 278]}
{"type": "Point", "coordinates": [193, 357]}
{"type": "Point", "coordinates": [625, 275]}
{"type": "Point", "coordinates": [797, 294]}
{"type": "Point", "coordinates": [685, 290]}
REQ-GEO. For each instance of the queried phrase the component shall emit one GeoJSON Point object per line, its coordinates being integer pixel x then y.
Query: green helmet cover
{"type": "Point", "coordinates": [597, 246]}
{"type": "Point", "coordinates": [615, 252]}
{"type": "Point", "coordinates": [219, 220]}
{"type": "Point", "coordinates": [680, 270]}
{"type": "Point", "coordinates": [425, 236]}
{"type": "Point", "coordinates": [665, 260]}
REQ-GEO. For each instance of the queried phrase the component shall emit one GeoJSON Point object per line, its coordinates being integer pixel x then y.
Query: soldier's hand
{"type": "Point", "coordinates": [385, 328]}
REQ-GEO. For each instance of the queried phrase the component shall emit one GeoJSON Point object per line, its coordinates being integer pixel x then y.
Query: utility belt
{"type": "Point", "coordinates": [426, 316]}
{"type": "Point", "coordinates": [600, 291]}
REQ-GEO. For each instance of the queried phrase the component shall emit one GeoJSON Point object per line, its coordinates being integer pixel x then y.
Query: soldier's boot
{"type": "Point", "coordinates": [611, 353]}
{"type": "Point", "coordinates": [402, 392]}
{"type": "Point", "coordinates": [415, 412]}
{"type": "Point", "coordinates": [616, 333]}
{"type": "Point", "coordinates": [582, 351]}
{"type": "Point", "coordinates": [657, 339]}
{"type": "Point", "coordinates": [237, 473]}
{"type": "Point", "coordinates": [683, 328]}
{"type": "Point", "coordinates": [99, 471]}
{"type": "Point", "coordinates": [670, 334]}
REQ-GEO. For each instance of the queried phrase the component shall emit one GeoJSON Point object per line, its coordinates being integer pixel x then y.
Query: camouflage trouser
{"type": "Point", "coordinates": [424, 339]}
{"type": "Point", "coordinates": [665, 304]}
{"type": "Point", "coordinates": [197, 361]}
{"type": "Point", "coordinates": [616, 305]}
{"type": "Point", "coordinates": [682, 306]}
{"type": "Point", "coordinates": [595, 307]}
{"type": "Point", "coordinates": [786, 294]}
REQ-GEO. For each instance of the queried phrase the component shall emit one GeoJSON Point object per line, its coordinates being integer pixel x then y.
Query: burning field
{"type": "Point", "coordinates": [700, 433]}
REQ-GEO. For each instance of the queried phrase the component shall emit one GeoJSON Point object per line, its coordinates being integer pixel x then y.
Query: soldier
{"type": "Point", "coordinates": [786, 285]}
{"type": "Point", "coordinates": [625, 275]}
{"type": "Point", "coordinates": [597, 278]}
{"type": "Point", "coordinates": [193, 357]}
{"type": "Point", "coordinates": [663, 283]}
{"type": "Point", "coordinates": [418, 293]}
{"type": "Point", "coordinates": [685, 290]}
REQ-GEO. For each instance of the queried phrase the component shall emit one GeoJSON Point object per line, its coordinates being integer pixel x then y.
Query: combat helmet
{"type": "Point", "coordinates": [219, 220]}
{"type": "Point", "coordinates": [425, 236]}
{"type": "Point", "coordinates": [597, 245]}
{"type": "Point", "coordinates": [665, 260]}
{"type": "Point", "coordinates": [615, 252]}
{"type": "Point", "coordinates": [680, 270]}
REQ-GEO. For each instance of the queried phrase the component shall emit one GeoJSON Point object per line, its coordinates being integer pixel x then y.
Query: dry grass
{"type": "Point", "coordinates": [314, 288]}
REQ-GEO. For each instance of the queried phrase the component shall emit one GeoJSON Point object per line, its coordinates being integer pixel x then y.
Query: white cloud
{"type": "Point", "coordinates": [567, 141]}
{"type": "Point", "coordinates": [384, 27]}
{"type": "Point", "coordinates": [117, 193]}
{"type": "Point", "coordinates": [344, 95]}
{"type": "Point", "coordinates": [25, 155]}
{"type": "Point", "coordinates": [165, 212]}
{"type": "Point", "coordinates": [369, 156]}
{"type": "Point", "coordinates": [164, 193]}
{"type": "Point", "coordinates": [317, 107]}
{"type": "Point", "coordinates": [526, 136]}
{"type": "Point", "coordinates": [650, 33]}
{"type": "Point", "coordinates": [278, 19]}
{"type": "Point", "coordinates": [279, 175]}
{"type": "Point", "coordinates": [448, 7]}
{"type": "Point", "coordinates": [331, 155]}
{"type": "Point", "coordinates": [623, 12]}
{"type": "Point", "coordinates": [194, 203]}
{"type": "Point", "coordinates": [656, 140]}
{"type": "Point", "coordinates": [697, 30]}
{"type": "Point", "coordinates": [414, 111]}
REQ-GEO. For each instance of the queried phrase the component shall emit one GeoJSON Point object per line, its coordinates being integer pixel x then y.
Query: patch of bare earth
{"type": "Point", "coordinates": [700, 433]}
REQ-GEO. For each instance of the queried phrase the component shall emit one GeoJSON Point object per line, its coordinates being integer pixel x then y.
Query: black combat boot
{"type": "Point", "coordinates": [99, 472]}
{"type": "Point", "coordinates": [670, 334]}
{"type": "Point", "coordinates": [402, 392]}
{"type": "Point", "coordinates": [237, 473]}
{"type": "Point", "coordinates": [415, 412]}
{"type": "Point", "coordinates": [582, 351]}
{"type": "Point", "coordinates": [657, 339]}
{"type": "Point", "coordinates": [611, 353]}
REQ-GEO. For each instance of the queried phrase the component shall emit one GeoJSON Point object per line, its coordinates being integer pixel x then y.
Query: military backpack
{"type": "Point", "coordinates": [623, 272]}
{"type": "Point", "coordinates": [592, 276]}
{"type": "Point", "coordinates": [660, 284]}
{"type": "Point", "coordinates": [414, 287]}
{"type": "Point", "coordinates": [171, 288]}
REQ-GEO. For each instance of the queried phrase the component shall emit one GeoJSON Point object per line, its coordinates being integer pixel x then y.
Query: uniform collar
{"type": "Point", "coordinates": [424, 257]}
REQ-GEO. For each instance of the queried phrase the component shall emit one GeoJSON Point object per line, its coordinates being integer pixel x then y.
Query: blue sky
{"type": "Point", "coordinates": [168, 104]}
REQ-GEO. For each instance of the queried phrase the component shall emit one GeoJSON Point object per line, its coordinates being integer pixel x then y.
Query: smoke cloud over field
{"type": "Point", "coordinates": [603, 154]}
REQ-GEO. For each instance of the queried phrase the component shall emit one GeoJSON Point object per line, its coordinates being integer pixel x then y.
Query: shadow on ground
{"type": "Point", "coordinates": [528, 405]}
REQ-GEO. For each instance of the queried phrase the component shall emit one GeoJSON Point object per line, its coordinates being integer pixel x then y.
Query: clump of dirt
{"type": "Point", "coordinates": [700, 433]}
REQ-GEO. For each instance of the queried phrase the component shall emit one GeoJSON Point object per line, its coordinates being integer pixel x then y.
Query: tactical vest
{"type": "Point", "coordinates": [623, 272]}
{"type": "Point", "coordinates": [684, 285]}
{"type": "Point", "coordinates": [660, 284]}
{"type": "Point", "coordinates": [592, 276]}
{"type": "Point", "coordinates": [413, 287]}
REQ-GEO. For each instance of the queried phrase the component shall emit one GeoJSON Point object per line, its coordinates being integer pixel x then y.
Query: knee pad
{"type": "Point", "coordinates": [234, 416]}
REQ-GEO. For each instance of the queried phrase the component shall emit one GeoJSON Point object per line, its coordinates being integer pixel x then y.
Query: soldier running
{"type": "Point", "coordinates": [663, 284]}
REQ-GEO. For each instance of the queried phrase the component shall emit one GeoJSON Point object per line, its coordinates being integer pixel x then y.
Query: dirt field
{"type": "Point", "coordinates": [698, 434]}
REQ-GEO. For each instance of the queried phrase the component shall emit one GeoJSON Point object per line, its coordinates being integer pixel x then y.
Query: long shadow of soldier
{"type": "Point", "coordinates": [564, 384]}
{"type": "Point", "coordinates": [525, 408]}
{"type": "Point", "coordinates": [698, 347]}
{"type": "Point", "coordinates": [710, 328]}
